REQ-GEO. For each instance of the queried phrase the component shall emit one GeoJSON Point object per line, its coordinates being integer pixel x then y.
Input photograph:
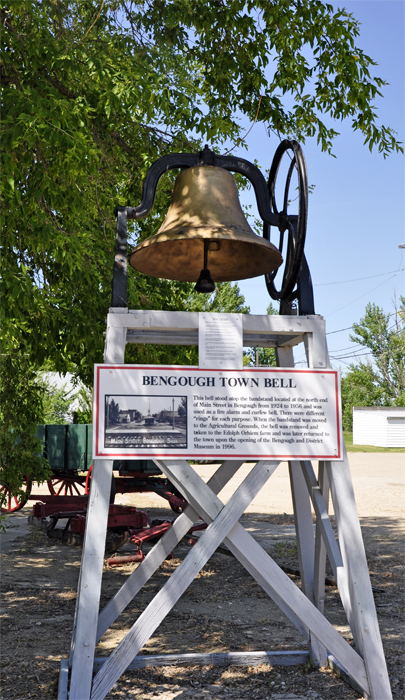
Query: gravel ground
{"type": "Point", "coordinates": [223, 609]}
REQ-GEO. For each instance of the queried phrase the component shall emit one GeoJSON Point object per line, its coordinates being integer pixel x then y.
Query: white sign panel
{"type": "Point", "coordinates": [187, 412]}
{"type": "Point", "coordinates": [220, 341]}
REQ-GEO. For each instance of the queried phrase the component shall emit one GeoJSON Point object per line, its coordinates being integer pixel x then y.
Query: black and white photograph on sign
{"type": "Point", "coordinates": [145, 421]}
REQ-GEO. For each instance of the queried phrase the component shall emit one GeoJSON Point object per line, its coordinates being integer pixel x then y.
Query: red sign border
{"type": "Point", "coordinates": [198, 455]}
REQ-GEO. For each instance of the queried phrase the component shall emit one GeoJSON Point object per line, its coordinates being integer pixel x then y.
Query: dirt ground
{"type": "Point", "coordinates": [223, 609]}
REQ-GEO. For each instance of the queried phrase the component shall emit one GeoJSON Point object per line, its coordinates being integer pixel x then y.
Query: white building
{"type": "Point", "coordinates": [378, 426]}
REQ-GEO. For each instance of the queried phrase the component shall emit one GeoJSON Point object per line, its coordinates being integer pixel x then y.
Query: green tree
{"type": "Point", "coordinates": [57, 403]}
{"type": "Point", "coordinates": [227, 298]}
{"type": "Point", "coordinates": [21, 410]}
{"type": "Point", "coordinates": [261, 357]}
{"type": "Point", "coordinates": [379, 381]}
{"type": "Point", "coordinates": [84, 411]}
{"type": "Point", "coordinates": [93, 93]}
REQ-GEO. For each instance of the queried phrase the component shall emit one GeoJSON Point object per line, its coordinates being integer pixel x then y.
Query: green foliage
{"type": "Point", "coordinates": [261, 357]}
{"type": "Point", "coordinates": [92, 95]}
{"type": "Point", "coordinates": [57, 403]}
{"type": "Point", "coordinates": [300, 57]}
{"type": "Point", "coordinates": [81, 115]}
{"type": "Point", "coordinates": [381, 380]}
{"type": "Point", "coordinates": [227, 298]}
{"type": "Point", "coordinates": [348, 438]}
{"type": "Point", "coordinates": [84, 412]}
{"type": "Point", "coordinates": [21, 410]}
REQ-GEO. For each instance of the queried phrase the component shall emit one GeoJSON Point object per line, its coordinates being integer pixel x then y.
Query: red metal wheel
{"type": "Point", "coordinates": [88, 479]}
{"type": "Point", "coordinates": [88, 482]}
{"type": "Point", "coordinates": [13, 503]}
{"type": "Point", "coordinates": [66, 486]}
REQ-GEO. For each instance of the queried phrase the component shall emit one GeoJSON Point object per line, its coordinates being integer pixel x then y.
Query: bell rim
{"type": "Point", "coordinates": [205, 232]}
{"type": "Point", "coordinates": [157, 264]}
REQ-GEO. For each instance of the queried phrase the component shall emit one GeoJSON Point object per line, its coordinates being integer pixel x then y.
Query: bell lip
{"type": "Point", "coordinates": [155, 261]}
{"type": "Point", "coordinates": [203, 232]}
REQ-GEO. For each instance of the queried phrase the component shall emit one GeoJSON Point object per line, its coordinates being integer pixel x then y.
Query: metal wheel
{"type": "Point", "coordinates": [88, 479]}
{"type": "Point", "coordinates": [294, 225]}
{"type": "Point", "coordinates": [13, 503]}
{"type": "Point", "coordinates": [66, 486]}
{"type": "Point", "coordinates": [113, 485]}
{"type": "Point", "coordinates": [176, 507]}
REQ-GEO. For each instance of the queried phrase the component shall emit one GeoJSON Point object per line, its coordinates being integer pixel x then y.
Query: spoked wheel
{"type": "Point", "coordinates": [113, 486]}
{"type": "Point", "coordinates": [88, 480]}
{"type": "Point", "coordinates": [11, 503]}
{"type": "Point", "coordinates": [66, 486]}
{"type": "Point", "coordinates": [176, 507]}
{"type": "Point", "coordinates": [294, 225]}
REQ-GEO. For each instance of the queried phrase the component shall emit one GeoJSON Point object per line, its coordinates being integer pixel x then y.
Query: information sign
{"type": "Point", "coordinates": [220, 341]}
{"type": "Point", "coordinates": [187, 412]}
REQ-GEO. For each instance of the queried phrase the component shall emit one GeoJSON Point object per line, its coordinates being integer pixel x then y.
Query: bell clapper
{"type": "Point", "coordinates": [205, 284]}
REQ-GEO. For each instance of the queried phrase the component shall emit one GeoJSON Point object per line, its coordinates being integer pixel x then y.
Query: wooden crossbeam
{"type": "Point", "coordinates": [158, 553]}
{"type": "Point", "coordinates": [262, 566]}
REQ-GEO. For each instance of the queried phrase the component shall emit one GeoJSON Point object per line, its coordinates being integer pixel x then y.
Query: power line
{"type": "Point", "coordinates": [350, 328]}
{"type": "Point", "coordinates": [360, 279]}
{"type": "Point", "coordinates": [361, 297]}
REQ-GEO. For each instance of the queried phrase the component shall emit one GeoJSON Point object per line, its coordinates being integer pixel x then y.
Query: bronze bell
{"type": "Point", "coordinates": [205, 228]}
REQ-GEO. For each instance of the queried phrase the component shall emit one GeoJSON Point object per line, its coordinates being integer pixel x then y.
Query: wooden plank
{"type": "Point", "coordinates": [320, 548]}
{"type": "Point", "coordinates": [230, 658]}
{"type": "Point", "coordinates": [185, 573]}
{"type": "Point", "coordinates": [344, 583]}
{"type": "Point", "coordinates": [340, 671]}
{"type": "Point", "coordinates": [185, 320]}
{"type": "Point", "coordinates": [316, 350]}
{"type": "Point", "coordinates": [240, 541]}
{"type": "Point", "coordinates": [158, 553]}
{"type": "Point", "coordinates": [89, 587]}
{"type": "Point", "coordinates": [323, 520]}
{"type": "Point", "coordinates": [163, 337]}
{"type": "Point", "coordinates": [63, 680]}
{"type": "Point", "coordinates": [304, 530]}
{"type": "Point", "coordinates": [177, 481]}
{"type": "Point", "coordinates": [351, 541]}
{"type": "Point", "coordinates": [249, 552]}
{"type": "Point", "coordinates": [114, 351]}
{"type": "Point", "coordinates": [336, 559]}
{"type": "Point", "coordinates": [284, 357]}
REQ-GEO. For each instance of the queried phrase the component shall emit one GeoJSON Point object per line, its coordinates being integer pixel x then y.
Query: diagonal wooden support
{"type": "Point", "coordinates": [255, 573]}
{"type": "Point", "coordinates": [262, 566]}
{"type": "Point", "coordinates": [179, 581]}
{"type": "Point", "coordinates": [157, 554]}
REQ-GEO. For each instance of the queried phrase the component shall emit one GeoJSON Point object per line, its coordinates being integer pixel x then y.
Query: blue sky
{"type": "Point", "coordinates": [356, 211]}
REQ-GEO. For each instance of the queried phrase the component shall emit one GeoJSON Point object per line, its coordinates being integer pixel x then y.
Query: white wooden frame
{"type": "Point", "coordinates": [364, 667]}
